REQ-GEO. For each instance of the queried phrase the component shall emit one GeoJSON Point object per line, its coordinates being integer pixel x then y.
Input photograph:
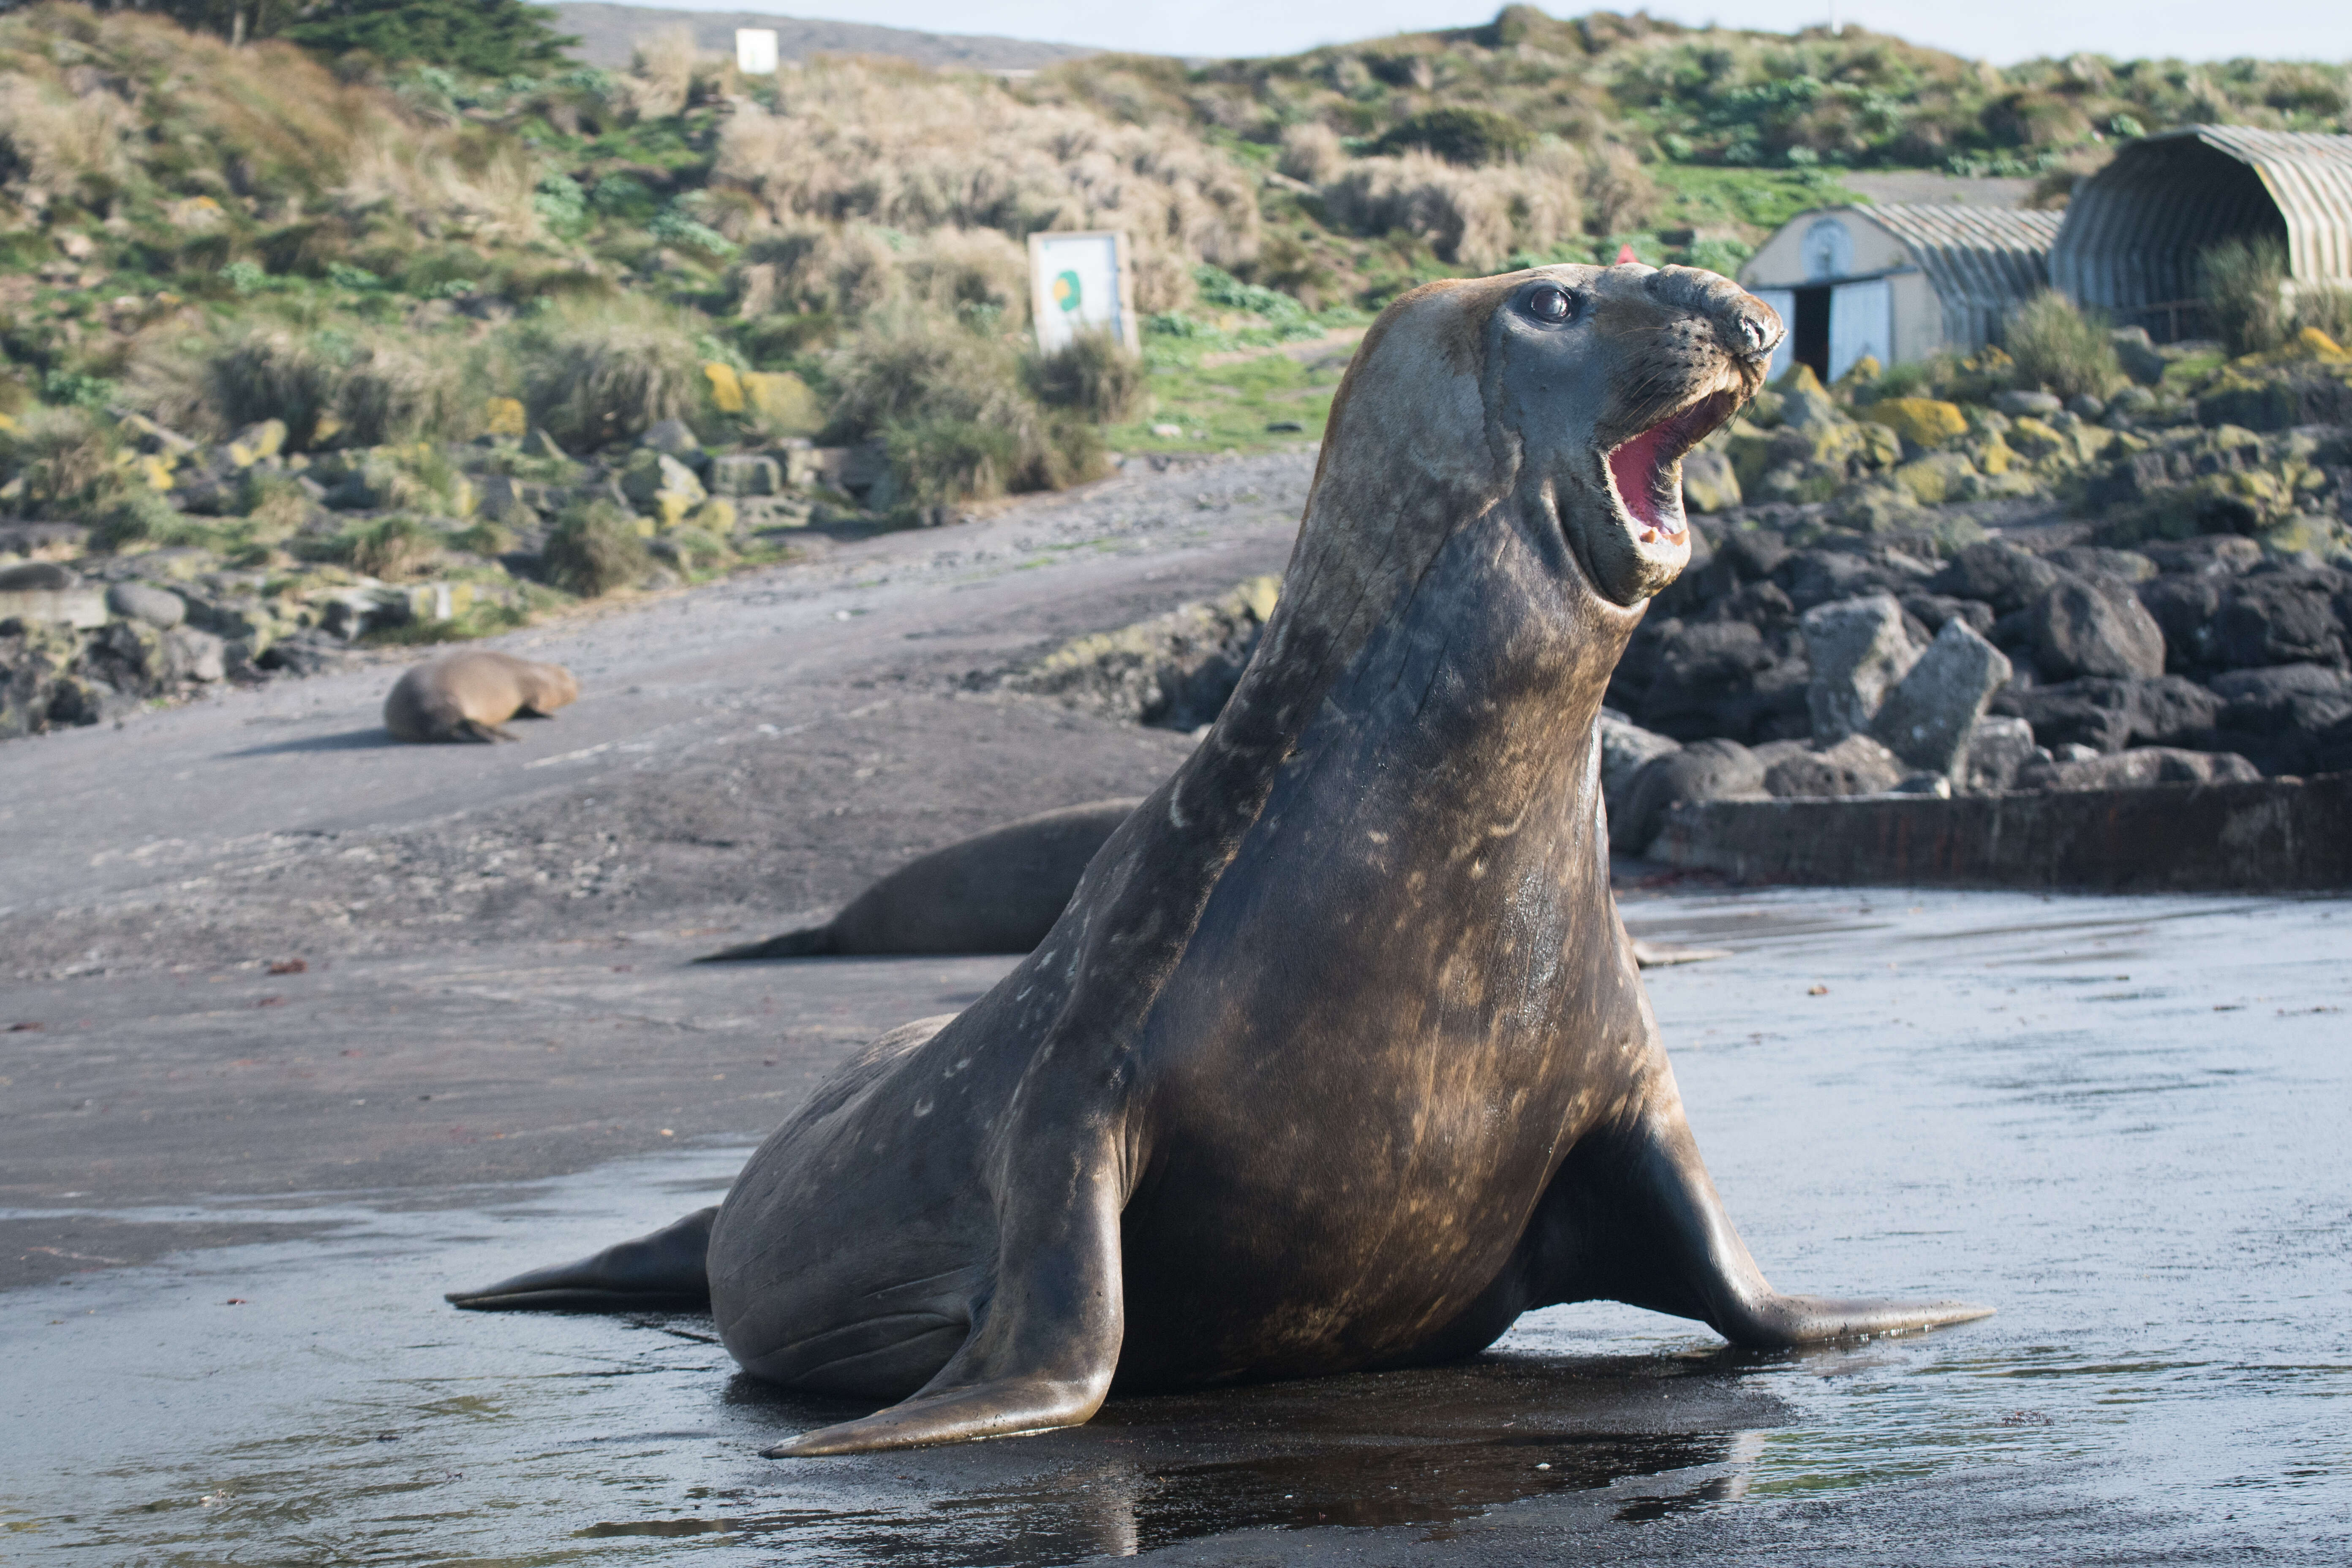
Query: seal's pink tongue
{"type": "Point", "coordinates": [1634, 466]}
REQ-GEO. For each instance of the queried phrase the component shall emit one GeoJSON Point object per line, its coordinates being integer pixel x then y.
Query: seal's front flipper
{"type": "Point", "coordinates": [664, 1270]}
{"type": "Point", "coordinates": [1660, 1240]}
{"type": "Point", "coordinates": [474, 729]}
{"type": "Point", "coordinates": [1043, 1348]}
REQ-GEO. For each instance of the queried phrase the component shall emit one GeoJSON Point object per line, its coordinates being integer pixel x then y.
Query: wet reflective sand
{"type": "Point", "coordinates": [2121, 1123]}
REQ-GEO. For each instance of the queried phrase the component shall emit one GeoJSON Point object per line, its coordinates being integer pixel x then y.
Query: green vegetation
{"type": "Point", "coordinates": [2059, 350]}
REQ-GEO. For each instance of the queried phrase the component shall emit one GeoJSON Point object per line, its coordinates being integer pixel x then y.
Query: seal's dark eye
{"type": "Point", "coordinates": [1549, 304]}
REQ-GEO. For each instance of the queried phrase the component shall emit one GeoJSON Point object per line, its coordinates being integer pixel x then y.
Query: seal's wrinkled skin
{"type": "Point", "coordinates": [470, 696]}
{"type": "Point", "coordinates": [1338, 1058]}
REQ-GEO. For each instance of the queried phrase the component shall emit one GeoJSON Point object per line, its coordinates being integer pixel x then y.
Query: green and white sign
{"type": "Point", "coordinates": [1078, 283]}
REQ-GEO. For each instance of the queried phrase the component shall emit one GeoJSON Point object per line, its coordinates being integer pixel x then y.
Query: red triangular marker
{"type": "Point", "coordinates": [1625, 254]}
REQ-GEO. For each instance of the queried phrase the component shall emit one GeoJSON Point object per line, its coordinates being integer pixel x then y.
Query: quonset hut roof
{"type": "Point", "coordinates": [1984, 262]}
{"type": "Point", "coordinates": [2135, 229]}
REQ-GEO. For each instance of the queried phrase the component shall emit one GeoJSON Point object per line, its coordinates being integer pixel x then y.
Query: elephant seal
{"type": "Point", "coordinates": [1339, 1060]}
{"type": "Point", "coordinates": [997, 891]}
{"type": "Point", "coordinates": [468, 695]}
{"type": "Point", "coordinates": [1000, 891]}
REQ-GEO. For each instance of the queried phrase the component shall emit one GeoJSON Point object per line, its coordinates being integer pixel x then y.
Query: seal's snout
{"type": "Point", "coordinates": [1750, 329]}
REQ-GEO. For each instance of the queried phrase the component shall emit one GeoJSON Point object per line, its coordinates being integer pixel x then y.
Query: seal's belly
{"type": "Point", "coordinates": [1338, 1227]}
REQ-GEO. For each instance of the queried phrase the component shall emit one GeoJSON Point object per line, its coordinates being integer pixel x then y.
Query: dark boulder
{"type": "Point", "coordinates": [2183, 607]}
{"type": "Point", "coordinates": [1822, 576]}
{"type": "Point", "coordinates": [1932, 610]}
{"type": "Point", "coordinates": [2134, 769]}
{"type": "Point", "coordinates": [2078, 627]}
{"type": "Point", "coordinates": [2292, 617]}
{"type": "Point", "coordinates": [1855, 766]}
{"type": "Point", "coordinates": [1701, 675]}
{"type": "Point", "coordinates": [1706, 770]}
{"type": "Point", "coordinates": [2001, 575]}
{"type": "Point", "coordinates": [2107, 714]}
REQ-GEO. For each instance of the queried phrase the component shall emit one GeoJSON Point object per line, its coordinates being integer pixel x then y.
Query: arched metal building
{"type": "Point", "coordinates": [1897, 282]}
{"type": "Point", "coordinates": [2133, 230]}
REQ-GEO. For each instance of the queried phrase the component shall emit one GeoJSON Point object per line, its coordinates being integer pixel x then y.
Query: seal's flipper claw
{"type": "Point", "coordinates": [813, 941]}
{"type": "Point", "coordinates": [666, 1269]}
{"type": "Point", "coordinates": [1015, 1407]}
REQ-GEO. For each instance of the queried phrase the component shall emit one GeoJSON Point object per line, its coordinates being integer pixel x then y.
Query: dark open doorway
{"type": "Point", "coordinates": [1809, 335]}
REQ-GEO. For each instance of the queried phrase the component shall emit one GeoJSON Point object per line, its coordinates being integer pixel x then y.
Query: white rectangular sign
{"type": "Point", "coordinates": [755, 51]}
{"type": "Point", "coordinates": [1077, 282]}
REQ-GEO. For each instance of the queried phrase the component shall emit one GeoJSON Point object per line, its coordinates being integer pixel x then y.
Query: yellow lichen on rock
{"type": "Point", "coordinates": [1923, 421]}
{"type": "Point", "coordinates": [505, 416]}
{"type": "Point", "coordinates": [726, 386]}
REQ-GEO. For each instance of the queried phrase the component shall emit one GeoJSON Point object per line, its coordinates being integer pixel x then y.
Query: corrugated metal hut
{"type": "Point", "coordinates": [2135, 229]}
{"type": "Point", "coordinates": [1897, 282]}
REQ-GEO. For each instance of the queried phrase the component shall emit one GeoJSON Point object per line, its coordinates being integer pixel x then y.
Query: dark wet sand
{"type": "Point", "coordinates": [2117, 1121]}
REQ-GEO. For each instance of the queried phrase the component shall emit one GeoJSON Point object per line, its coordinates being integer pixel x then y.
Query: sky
{"type": "Point", "coordinates": [1999, 30]}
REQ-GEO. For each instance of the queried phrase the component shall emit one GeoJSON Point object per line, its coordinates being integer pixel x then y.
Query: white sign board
{"type": "Point", "coordinates": [755, 51]}
{"type": "Point", "coordinates": [1078, 283]}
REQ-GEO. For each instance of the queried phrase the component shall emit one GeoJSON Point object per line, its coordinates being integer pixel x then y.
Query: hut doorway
{"type": "Point", "coordinates": [1809, 333]}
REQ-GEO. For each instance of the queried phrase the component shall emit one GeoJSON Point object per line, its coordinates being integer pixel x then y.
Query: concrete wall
{"type": "Point", "coordinates": [2275, 836]}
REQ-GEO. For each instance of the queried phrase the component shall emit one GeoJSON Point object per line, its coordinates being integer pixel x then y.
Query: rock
{"type": "Point", "coordinates": [2078, 628]}
{"type": "Point", "coordinates": [1876, 508]}
{"type": "Point", "coordinates": [2137, 354]}
{"type": "Point", "coordinates": [2085, 406]}
{"type": "Point", "coordinates": [1625, 748]}
{"type": "Point", "coordinates": [158, 607]}
{"type": "Point", "coordinates": [1938, 478]}
{"type": "Point", "coordinates": [657, 483]}
{"type": "Point", "coordinates": [1855, 766]}
{"type": "Point", "coordinates": [1932, 610]}
{"type": "Point", "coordinates": [755, 475]}
{"type": "Point", "coordinates": [1705, 769]}
{"type": "Point", "coordinates": [38, 577]}
{"type": "Point", "coordinates": [1925, 422]}
{"type": "Point", "coordinates": [2293, 616]}
{"type": "Point", "coordinates": [2138, 768]}
{"type": "Point", "coordinates": [1701, 679]}
{"type": "Point", "coordinates": [2020, 404]}
{"type": "Point", "coordinates": [1998, 749]}
{"type": "Point", "coordinates": [79, 607]}
{"type": "Point", "coordinates": [1804, 401]}
{"type": "Point", "coordinates": [781, 400]}
{"type": "Point", "coordinates": [672, 438]}
{"type": "Point", "coordinates": [505, 500]}
{"type": "Point", "coordinates": [2278, 683]}
{"type": "Point", "coordinates": [1858, 650]}
{"type": "Point", "coordinates": [2127, 566]}
{"type": "Point", "coordinates": [1709, 483]}
{"type": "Point", "coordinates": [256, 442]}
{"type": "Point", "coordinates": [2107, 715]}
{"type": "Point", "coordinates": [1997, 572]}
{"type": "Point", "coordinates": [191, 655]}
{"type": "Point", "coordinates": [1816, 577]}
{"type": "Point", "coordinates": [1930, 715]}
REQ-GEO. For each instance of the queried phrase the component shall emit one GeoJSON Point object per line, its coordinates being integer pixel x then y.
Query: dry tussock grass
{"type": "Point", "coordinates": [363, 393]}
{"type": "Point", "coordinates": [1477, 218]}
{"type": "Point", "coordinates": [861, 141]}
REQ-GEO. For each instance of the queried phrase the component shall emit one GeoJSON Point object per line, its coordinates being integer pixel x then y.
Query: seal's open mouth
{"type": "Point", "coordinates": [1646, 469]}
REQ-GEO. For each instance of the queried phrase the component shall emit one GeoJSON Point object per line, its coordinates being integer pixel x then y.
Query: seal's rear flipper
{"type": "Point", "coordinates": [474, 729]}
{"type": "Point", "coordinates": [814, 942]}
{"type": "Point", "coordinates": [1641, 1222]}
{"type": "Point", "coordinates": [664, 1270]}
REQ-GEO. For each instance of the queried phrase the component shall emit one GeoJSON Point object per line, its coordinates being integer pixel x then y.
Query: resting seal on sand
{"type": "Point", "coordinates": [468, 695]}
{"type": "Point", "coordinates": [1338, 1058]}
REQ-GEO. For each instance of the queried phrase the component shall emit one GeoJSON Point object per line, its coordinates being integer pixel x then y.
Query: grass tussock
{"type": "Point", "coordinates": [2244, 283]}
{"type": "Point", "coordinates": [329, 387]}
{"type": "Point", "coordinates": [913, 150]}
{"type": "Point", "coordinates": [1094, 375]}
{"type": "Point", "coordinates": [595, 373]}
{"type": "Point", "coordinates": [2325, 308]}
{"type": "Point", "coordinates": [393, 548]}
{"type": "Point", "coordinates": [2060, 349]}
{"type": "Point", "coordinates": [593, 550]}
{"type": "Point", "coordinates": [951, 410]}
{"type": "Point", "coordinates": [1479, 216]}
{"type": "Point", "coordinates": [66, 460]}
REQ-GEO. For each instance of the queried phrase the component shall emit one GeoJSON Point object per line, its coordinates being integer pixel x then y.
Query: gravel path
{"type": "Point", "coordinates": [741, 752]}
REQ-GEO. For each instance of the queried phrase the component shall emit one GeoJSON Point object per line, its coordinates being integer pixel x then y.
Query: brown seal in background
{"type": "Point", "coordinates": [1339, 1058]}
{"type": "Point", "coordinates": [468, 695]}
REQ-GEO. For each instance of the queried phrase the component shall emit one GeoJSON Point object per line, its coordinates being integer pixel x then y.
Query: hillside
{"type": "Point", "coordinates": [608, 34]}
{"type": "Point", "coordinates": [326, 333]}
